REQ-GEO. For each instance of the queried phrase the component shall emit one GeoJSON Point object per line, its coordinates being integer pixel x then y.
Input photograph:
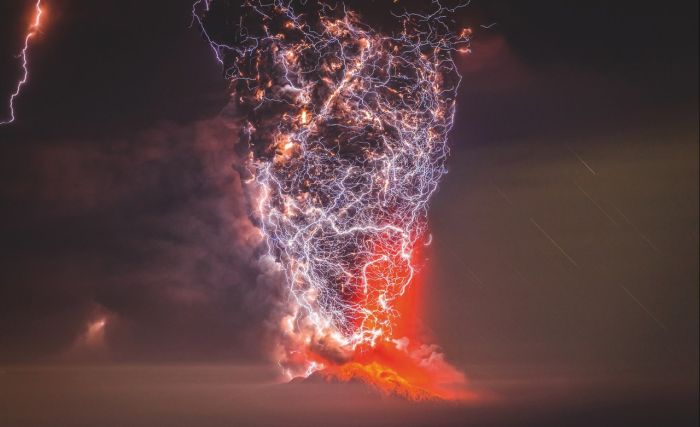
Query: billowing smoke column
{"type": "Point", "coordinates": [347, 134]}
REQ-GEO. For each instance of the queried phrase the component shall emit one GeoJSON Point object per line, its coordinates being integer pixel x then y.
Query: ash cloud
{"type": "Point", "coordinates": [150, 233]}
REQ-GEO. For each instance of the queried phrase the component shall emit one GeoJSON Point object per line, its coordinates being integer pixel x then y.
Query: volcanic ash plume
{"type": "Point", "coordinates": [347, 135]}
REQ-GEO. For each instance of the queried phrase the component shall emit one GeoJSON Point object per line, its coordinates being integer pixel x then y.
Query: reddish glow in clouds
{"type": "Point", "coordinates": [24, 57]}
{"type": "Point", "coordinates": [347, 133]}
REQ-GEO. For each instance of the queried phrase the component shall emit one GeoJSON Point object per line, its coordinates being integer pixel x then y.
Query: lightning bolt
{"type": "Point", "coordinates": [24, 55]}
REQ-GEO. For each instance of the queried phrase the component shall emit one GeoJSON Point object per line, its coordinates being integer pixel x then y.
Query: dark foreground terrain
{"type": "Point", "coordinates": [248, 396]}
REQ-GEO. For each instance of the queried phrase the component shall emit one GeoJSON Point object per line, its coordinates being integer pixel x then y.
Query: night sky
{"type": "Point", "coordinates": [563, 274]}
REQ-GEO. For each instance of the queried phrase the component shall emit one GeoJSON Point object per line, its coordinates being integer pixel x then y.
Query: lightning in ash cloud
{"type": "Point", "coordinates": [347, 131]}
{"type": "Point", "coordinates": [32, 31]}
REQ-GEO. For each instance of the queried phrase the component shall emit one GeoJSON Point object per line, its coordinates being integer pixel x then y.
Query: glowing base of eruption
{"type": "Point", "coordinates": [382, 378]}
{"type": "Point", "coordinates": [404, 367]}
{"type": "Point", "coordinates": [347, 135]}
{"type": "Point", "coordinates": [392, 369]}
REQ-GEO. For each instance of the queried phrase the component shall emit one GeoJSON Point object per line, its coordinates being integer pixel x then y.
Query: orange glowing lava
{"type": "Point", "coordinates": [418, 374]}
{"type": "Point", "coordinates": [402, 366]}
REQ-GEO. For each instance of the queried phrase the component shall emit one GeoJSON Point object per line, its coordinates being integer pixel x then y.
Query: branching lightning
{"type": "Point", "coordinates": [24, 57]}
{"type": "Point", "coordinates": [347, 129]}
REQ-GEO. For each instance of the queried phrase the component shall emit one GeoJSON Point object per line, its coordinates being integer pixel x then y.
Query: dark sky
{"type": "Point", "coordinates": [566, 233]}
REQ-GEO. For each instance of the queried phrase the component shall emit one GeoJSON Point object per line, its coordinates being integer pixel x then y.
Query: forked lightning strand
{"type": "Point", "coordinates": [33, 30]}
